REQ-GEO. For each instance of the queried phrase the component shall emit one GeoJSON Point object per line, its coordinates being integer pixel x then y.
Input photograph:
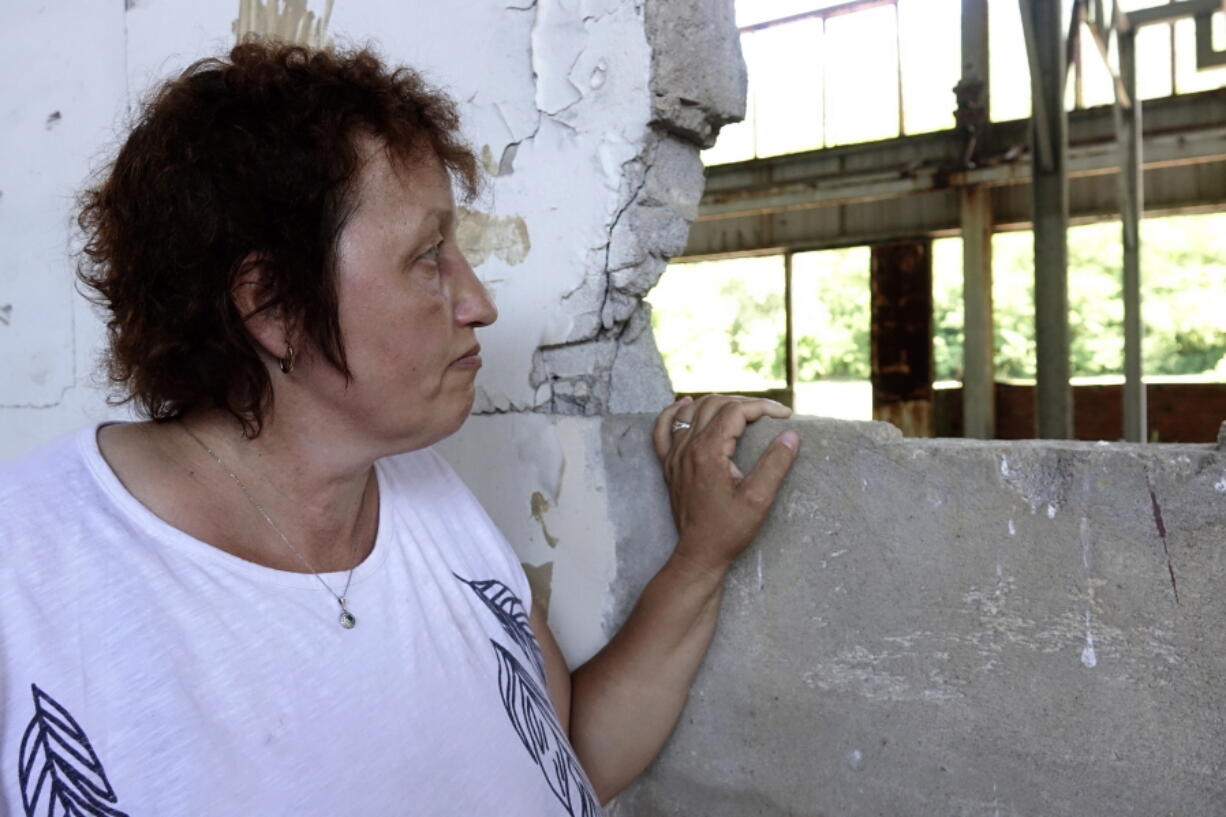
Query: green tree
{"type": "Point", "coordinates": [830, 313]}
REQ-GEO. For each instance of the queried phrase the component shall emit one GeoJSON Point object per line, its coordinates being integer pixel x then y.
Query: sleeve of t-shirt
{"type": "Point", "coordinates": [448, 502]}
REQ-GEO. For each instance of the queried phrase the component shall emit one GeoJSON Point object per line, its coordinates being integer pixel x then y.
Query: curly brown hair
{"type": "Point", "coordinates": [250, 156]}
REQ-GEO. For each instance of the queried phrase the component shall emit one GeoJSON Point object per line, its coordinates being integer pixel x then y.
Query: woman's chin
{"type": "Point", "coordinates": [461, 415]}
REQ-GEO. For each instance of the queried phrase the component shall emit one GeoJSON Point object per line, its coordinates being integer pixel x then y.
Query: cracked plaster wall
{"type": "Point", "coordinates": [588, 116]}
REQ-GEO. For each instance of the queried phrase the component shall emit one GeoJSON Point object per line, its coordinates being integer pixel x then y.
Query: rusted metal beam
{"type": "Point", "coordinates": [901, 335]}
{"type": "Point", "coordinates": [1195, 147]}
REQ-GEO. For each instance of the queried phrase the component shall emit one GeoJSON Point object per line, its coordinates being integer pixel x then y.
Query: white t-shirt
{"type": "Point", "coordinates": [148, 674]}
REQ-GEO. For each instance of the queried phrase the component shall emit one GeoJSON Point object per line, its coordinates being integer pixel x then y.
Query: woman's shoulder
{"type": "Point", "coordinates": [51, 469]}
{"type": "Point", "coordinates": [42, 494]}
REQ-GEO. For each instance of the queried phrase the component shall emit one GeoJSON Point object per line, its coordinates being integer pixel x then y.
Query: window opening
{"type": "Point", "coordinates": [1184, 259]}
{"type": "Point", "coordinates": [721, 326]}
{"type": "Point", "coordinates": [830, 313]}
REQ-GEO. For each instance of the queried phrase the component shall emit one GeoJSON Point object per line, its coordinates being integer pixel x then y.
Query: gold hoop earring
{"type": "Point", "coordinates": [287, 362]}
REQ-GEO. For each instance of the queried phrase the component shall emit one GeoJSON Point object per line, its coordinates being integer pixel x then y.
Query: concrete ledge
{"type": "Point", "coordinates": [951, 627]}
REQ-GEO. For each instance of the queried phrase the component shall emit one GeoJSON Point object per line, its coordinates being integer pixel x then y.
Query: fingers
{"type": "Point", "coordinates": [721, 416]}
{"type": "Point", "coordinates": [732, 418]}
{"type": "Point", "coordinates": [662, 434]}
{"type": "Point", "coordinates": [709, 407]}
{"type": "Point", "coordinates": [762, 483]}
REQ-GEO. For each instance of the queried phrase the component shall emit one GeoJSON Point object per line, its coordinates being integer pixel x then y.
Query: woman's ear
{"type": "Point", "coordinates": [266, 324]}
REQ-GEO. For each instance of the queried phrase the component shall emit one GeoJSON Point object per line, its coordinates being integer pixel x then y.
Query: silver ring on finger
{"type": "Point", "coordinates": [680, 425]}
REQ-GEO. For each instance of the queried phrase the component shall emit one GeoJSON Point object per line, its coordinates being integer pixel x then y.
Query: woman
{"type": "Point", "coordinates": [273, 597]}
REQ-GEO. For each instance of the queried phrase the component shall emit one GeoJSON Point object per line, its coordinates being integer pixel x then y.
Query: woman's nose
{"type": "Point", "coordinates": [474, 306]}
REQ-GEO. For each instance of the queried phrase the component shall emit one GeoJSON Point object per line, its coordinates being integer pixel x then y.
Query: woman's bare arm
{"type": "Point", "coordinates": [624, 702]}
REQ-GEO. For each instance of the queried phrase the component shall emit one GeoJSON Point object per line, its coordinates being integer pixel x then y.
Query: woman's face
{"type": "Point", "coordinates": [409, 305]}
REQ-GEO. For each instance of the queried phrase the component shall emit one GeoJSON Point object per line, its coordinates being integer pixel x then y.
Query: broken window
{"type": "Point", "coordinates": [825, 74]}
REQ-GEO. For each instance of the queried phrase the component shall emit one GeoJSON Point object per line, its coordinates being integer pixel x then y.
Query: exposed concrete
{"type": "Point", "coordinates": [951, 627]}
{"type": "Point", "coordinates": [578, 377]}
{"type": "Point", "coordinates": [698, 76]}
{"type": "Point", "coordinates": [609, 362]}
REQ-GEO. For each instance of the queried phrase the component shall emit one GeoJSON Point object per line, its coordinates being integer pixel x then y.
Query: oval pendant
{"type": "Point", "coordinates": [348, 620]}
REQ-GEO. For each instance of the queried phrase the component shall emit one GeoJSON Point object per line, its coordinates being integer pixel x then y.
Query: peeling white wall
{"type": "Point", "coordinates": [589, 190]}
{"type": "Point", "coordinates": [58, 109]}
{"type": "Point", "coordinates": [543, 482]}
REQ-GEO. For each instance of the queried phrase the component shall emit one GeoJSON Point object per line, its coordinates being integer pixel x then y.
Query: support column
{"type": "Point", "coordinates": [978, 372]}
{"type": "Point", "coordinates": [1043, 25]}
{"type": "Point", "coordinates": [789, 309]}
{"type": "Point", "coordinates": [978, 369]}
{"type": "Point", "coordinates": [1132, 198]}
{"type": "Point", "coordinates": [901, 339]}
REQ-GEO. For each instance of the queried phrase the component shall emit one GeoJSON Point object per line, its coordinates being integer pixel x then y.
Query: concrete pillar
{"type": "Point", "coordinates": [978, 370]}
{"type": "Point", "coordinates": [1132, 199]}
{"type": "Point", "coordinates": [978, 373]}
{"type": "Point", "coordinates": [1043, 25]}
{"type": "Point", "coordinates": [901, 281]}
{"type": "Point", "coordinates": [790, 331]}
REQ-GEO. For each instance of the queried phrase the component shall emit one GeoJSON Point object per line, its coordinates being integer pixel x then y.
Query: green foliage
{"type": "Point", "coordinates": [756, 334]}
{"type": "Point", "coordinates": [720, 325]}
{"type": "Point", "coordinates": [1183, 263]}
{"type": "Point", "coordinates": [830, 313]}
{"type": "Point", "coordinates": [947, 316]}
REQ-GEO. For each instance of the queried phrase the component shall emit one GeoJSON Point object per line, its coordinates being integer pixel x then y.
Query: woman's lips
{"type": "Point", "coordinates": [472, 360]}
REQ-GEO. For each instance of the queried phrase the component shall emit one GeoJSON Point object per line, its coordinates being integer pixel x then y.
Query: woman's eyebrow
{"type": "Point", "coordinates": [435, 219]}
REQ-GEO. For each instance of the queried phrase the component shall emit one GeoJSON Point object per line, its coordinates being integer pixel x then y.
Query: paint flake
{"type": "Point", "coordinates": [1089, 656]}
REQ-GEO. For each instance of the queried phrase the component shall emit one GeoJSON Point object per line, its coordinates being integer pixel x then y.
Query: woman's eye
{"type": "Point", "coordinates": [432, 253]}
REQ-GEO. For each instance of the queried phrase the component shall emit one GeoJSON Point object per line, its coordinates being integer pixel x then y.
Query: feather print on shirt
{"type": "Point", "coordinates": [59, 772]}
{"type": "Point", "coordinates": [529, 707]}
{"type": "Point", "coordinates": [510, 612]}
{"type": "Point", "coordinates": [532, 716]}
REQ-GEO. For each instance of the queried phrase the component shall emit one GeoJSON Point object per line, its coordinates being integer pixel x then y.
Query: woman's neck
{"type": "Point", "coordinates": [320, 495]}
{"type": "Point", "coordinates": [241, 495]}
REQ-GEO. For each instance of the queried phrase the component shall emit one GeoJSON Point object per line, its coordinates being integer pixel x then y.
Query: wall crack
{"type": "Point", "coordinates": [607, 361]}
{"type": "Point", "coordinates": [1160, 525]}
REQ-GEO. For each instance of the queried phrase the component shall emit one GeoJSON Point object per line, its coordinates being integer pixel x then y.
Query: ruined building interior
{"type": "Point", "coordinates": [977, 244]}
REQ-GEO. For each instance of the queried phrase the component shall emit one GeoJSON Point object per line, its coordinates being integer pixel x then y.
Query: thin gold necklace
{"type": "Point", "coordinates": [347, 619]}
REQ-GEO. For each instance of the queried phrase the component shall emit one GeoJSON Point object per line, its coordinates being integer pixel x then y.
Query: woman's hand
{"type": "Point", "coordinates": [627, 698]}
{"type": "Point", "coordinates": [717, 509]}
